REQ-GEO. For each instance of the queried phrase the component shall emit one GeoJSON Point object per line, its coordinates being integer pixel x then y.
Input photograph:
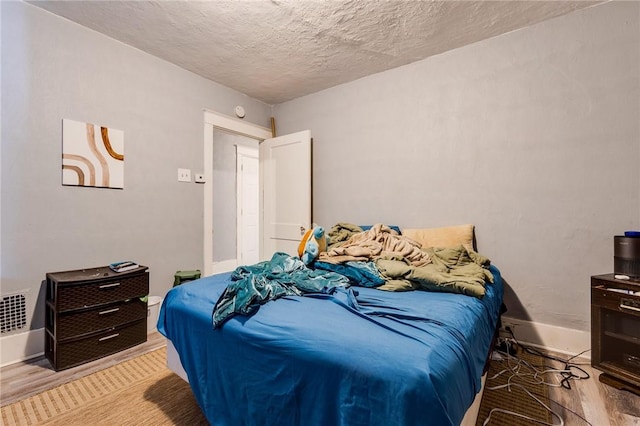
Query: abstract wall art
{"type": "Point", "coordinates": [92, 155]}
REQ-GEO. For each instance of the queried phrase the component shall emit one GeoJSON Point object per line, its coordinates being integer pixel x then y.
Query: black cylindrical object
{"type": "Point", "coordinates": [626, 256]}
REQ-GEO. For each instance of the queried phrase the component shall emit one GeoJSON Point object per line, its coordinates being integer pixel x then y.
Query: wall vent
{"type": "Point", "coordinates": [13, 313]}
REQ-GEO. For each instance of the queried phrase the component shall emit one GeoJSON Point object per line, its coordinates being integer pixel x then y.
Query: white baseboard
{"type": "Point", "coordinates": [558, 339]}
{"type": "Point", "coordinates": [21, 347]}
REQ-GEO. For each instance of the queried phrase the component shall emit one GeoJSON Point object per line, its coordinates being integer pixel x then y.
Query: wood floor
{"type": "Point", "coordinates": [24, 379]}
{"type": "Point", "coordinates": [599, 404]}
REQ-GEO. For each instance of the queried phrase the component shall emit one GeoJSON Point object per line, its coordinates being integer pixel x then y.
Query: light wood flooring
{"type": "Point", "coordinates": [599, 404]}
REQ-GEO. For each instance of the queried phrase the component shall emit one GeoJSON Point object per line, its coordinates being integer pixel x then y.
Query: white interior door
{"type": "Point", "coordinates": [285, 175]}
{"type": "Point", "coordinates": [248, 206]}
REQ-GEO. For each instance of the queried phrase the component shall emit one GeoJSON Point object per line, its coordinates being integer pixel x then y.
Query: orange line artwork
{"type": "Point", "coordinates": [86, 162]}
{"type": "Point", "coordinates": [91, 140]}
{"type": "Point", "coordinates": [78, 170]}
{"type": "Point", "coordinates": [107, 144]}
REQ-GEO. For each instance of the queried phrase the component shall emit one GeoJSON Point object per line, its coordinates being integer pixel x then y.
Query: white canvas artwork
{"type": "Point", "coordinates": [92, 155]}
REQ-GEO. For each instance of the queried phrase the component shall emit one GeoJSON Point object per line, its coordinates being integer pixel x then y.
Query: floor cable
{"type": "Point", "coordinates": [519, 368]}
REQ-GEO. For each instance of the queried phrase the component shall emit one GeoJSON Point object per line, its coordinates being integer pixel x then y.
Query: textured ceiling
{"type": "Point", "coordinates": [282, 49]}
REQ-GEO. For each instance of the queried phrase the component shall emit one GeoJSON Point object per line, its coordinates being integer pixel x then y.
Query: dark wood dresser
{"type": "Point", "coordinates": [94, 312]}
{"type": "Point", "coordinates": [615, 331]}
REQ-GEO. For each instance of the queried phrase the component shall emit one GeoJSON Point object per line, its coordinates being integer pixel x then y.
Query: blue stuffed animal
{"type": "Point", "coordinates": [312, 244]}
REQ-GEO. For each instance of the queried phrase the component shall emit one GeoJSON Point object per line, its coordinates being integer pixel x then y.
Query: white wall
{"type": "Point", "coordinates": [533, 136]}
{"type": "Point", "coordinates": [54, 69]}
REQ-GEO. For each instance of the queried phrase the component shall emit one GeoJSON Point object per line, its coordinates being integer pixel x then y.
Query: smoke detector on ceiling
{"type": "Point", "coordinates": [239, 111]}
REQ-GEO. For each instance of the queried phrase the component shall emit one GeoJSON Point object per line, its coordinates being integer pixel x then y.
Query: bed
{"type": "Point", "coordinates": [353, 356]}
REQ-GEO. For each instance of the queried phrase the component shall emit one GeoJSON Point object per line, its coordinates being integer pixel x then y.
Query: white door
{"type": "Point", "coordinates": [248, 211]}
{"type": "Point", "coordinates": [285, 174]}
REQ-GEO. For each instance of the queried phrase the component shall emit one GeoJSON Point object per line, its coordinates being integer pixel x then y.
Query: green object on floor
{"type": "Point", "coordinates": [183, 276]}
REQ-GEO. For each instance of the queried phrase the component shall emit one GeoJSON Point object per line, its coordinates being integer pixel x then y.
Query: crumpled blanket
{"type": "Point", "coordinates": [379, 241]}
{"type": "Point", "coordinates": [452, 270]}
{"type": "Point", "coordinates": [257, 284]}
{"type": "Point", "coordinates": [341, 232]}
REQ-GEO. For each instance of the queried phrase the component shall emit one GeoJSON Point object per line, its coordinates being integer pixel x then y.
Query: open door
{"type": "Point", "coordinates": [285, 176]}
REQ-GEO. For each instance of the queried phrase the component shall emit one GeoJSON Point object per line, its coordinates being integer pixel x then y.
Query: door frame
{"type": "Point", "coordinates": [214, 120]}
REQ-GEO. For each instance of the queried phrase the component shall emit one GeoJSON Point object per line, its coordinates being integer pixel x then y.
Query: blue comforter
{"type": "Point", "coordinates": [359, 356]}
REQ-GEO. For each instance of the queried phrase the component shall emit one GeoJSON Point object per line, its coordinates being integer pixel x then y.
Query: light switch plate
{"type": "Point", "coordinates": [184, 175]}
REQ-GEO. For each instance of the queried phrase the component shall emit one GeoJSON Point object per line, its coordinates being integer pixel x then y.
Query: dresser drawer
{"type": "Point", "coordinates": [77, 323]}
{"type": "Point", "coordinates": [78, 351]}
{"type": "Point", "coordinates": [609, 298]}
{"type": "Point", "coordinates": [83, 295]}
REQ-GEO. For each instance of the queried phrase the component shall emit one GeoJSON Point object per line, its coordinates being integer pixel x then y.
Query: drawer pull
{"type": "Point", "coordinates": [102, 339]}
{"type": "Point", "coordinates": [631, 308]}
{"type": "Point", "coordinates": [108, 311]}
{"type": "Point", "coordinates": [109, 285]}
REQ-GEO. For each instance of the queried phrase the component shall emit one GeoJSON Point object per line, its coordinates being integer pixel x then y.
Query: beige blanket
{"type": "Point", "coordinates": [379, 241]}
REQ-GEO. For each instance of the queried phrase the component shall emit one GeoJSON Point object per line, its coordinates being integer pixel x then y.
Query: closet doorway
{"type": "Point", "coordinates": [236, 232]}
{"type": "Point", "coordinates": [224, 231]}
{"type": "Point", "coordinates": [283, 212]}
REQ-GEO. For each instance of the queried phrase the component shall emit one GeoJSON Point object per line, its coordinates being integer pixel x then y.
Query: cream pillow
{"type": "Point", "coordinates": [447, 236]}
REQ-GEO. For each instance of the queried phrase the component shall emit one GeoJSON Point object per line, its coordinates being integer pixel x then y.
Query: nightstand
{"type": "Point", "coordinates": [94, 312]}
{"type": "Point", "coordinates": [615, 331]}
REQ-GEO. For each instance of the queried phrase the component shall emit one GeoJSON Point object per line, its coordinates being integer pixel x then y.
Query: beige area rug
{"type": "Point", "coordinates": [515, 399]}
{"type": "Point", "coordinates": [141, 391]}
